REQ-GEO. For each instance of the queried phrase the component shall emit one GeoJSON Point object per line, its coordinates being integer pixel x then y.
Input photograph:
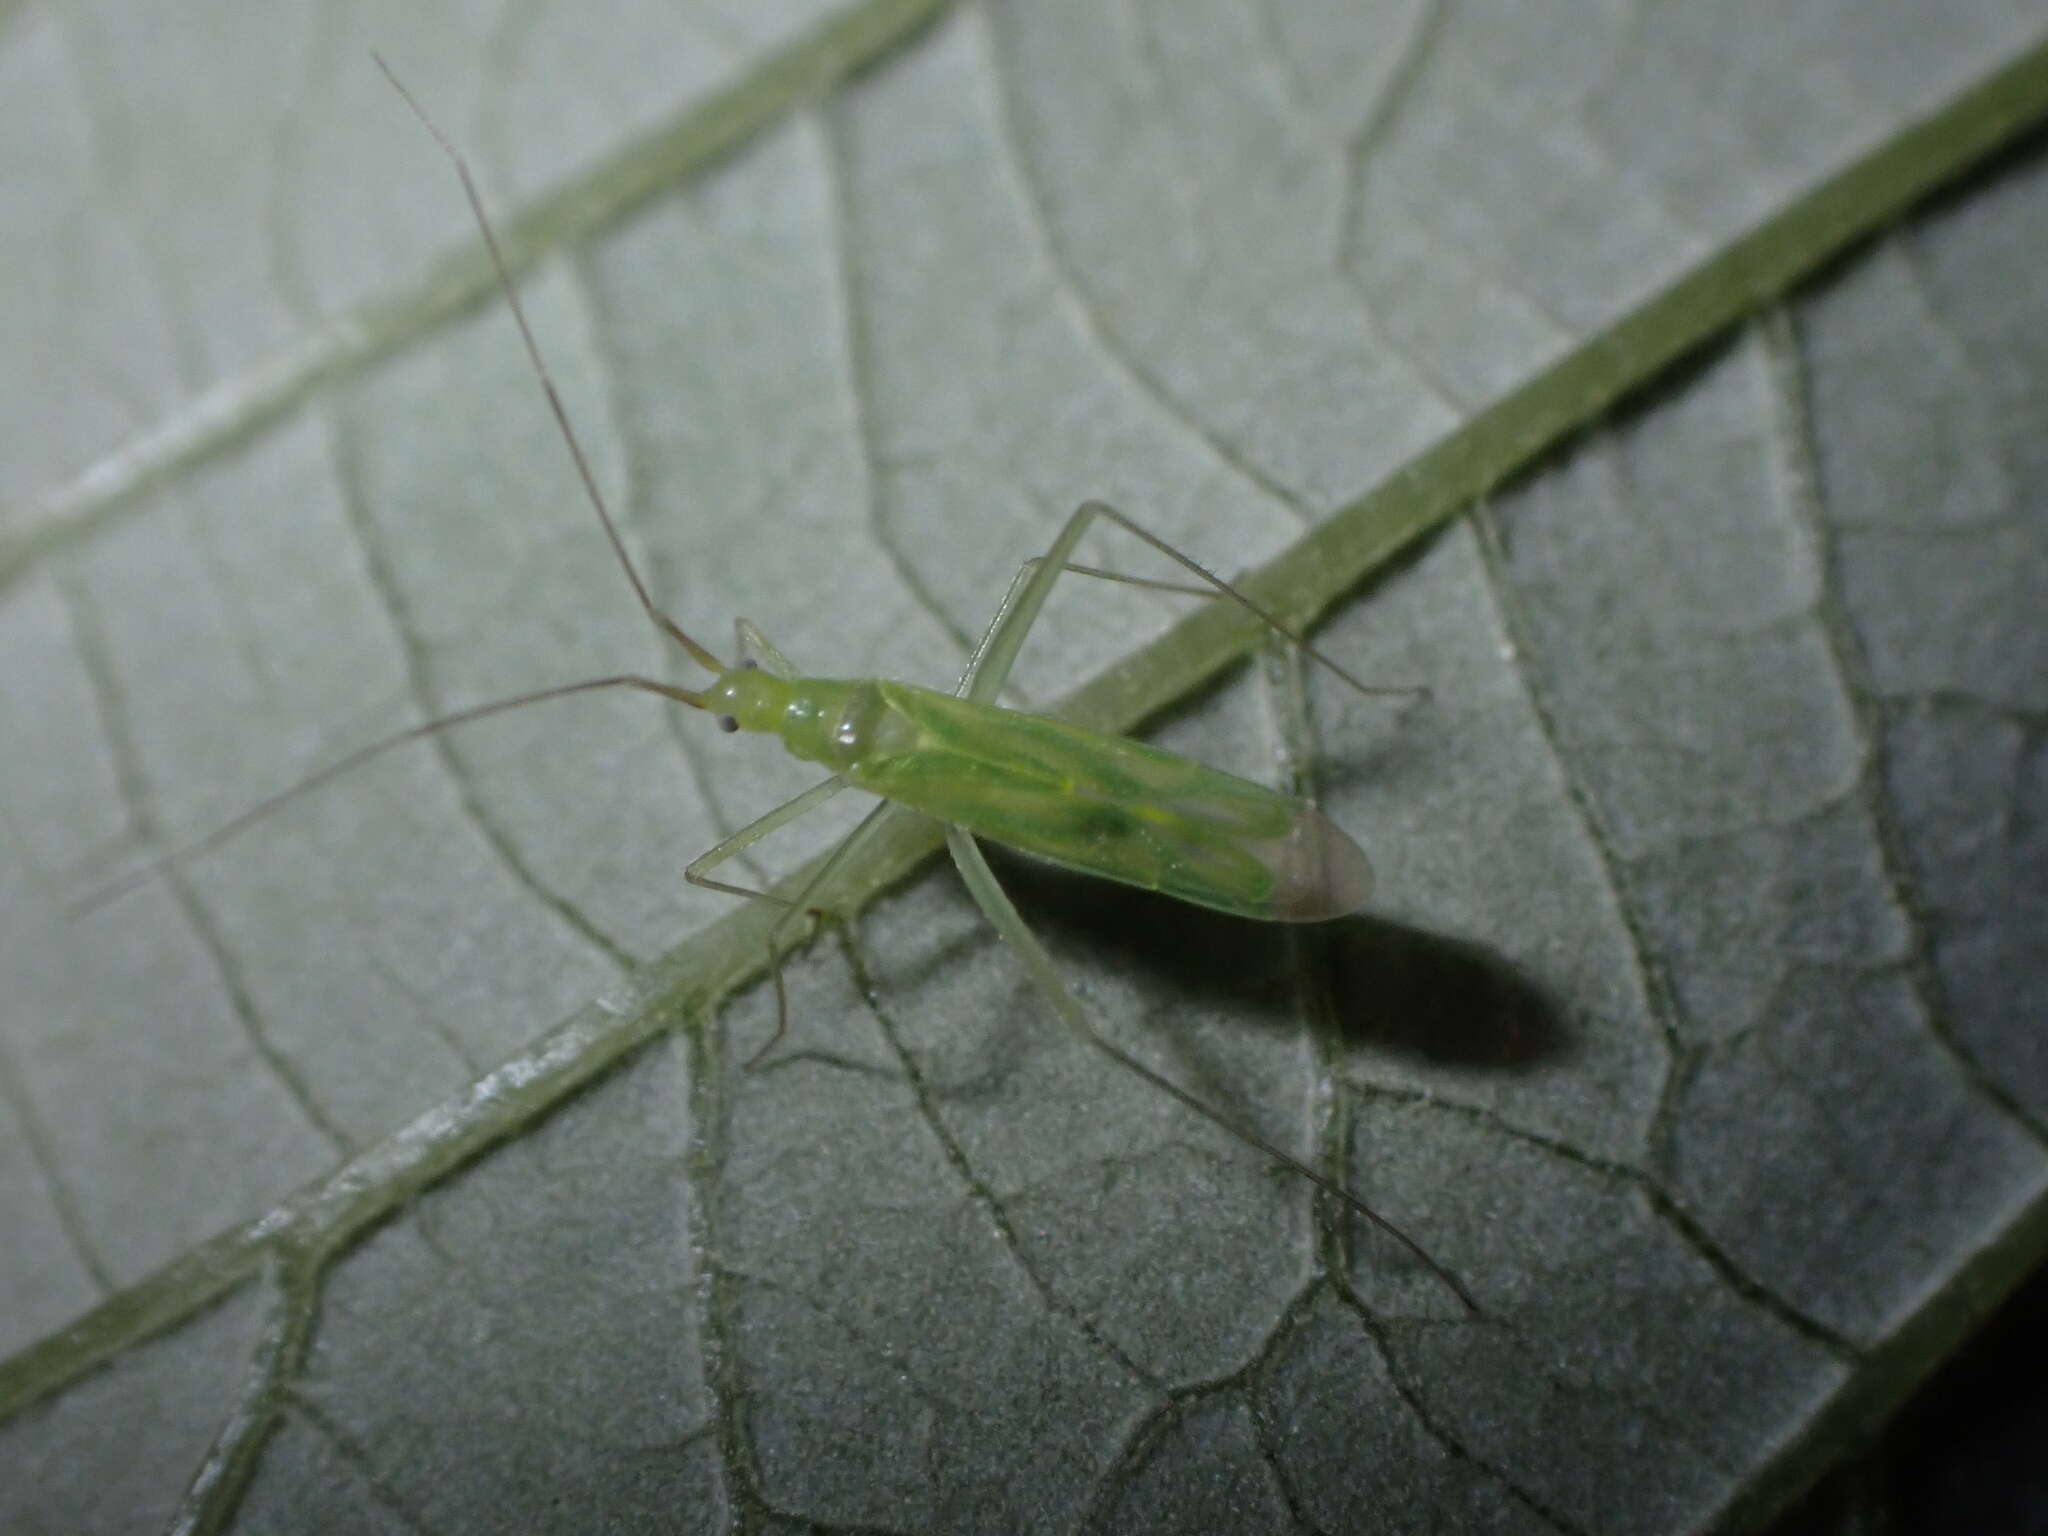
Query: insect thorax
{"type": "Point", "coordinates": [833, 721]}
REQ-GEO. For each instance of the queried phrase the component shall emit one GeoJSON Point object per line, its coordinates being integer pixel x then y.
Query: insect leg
{"type": "Point", "coordinates": [756, 647]}
{"type": "Point", "coordinates": [804, 905]}
{"type": "Point", "coordinates": [1020, 607]}
{"type": "Point", "coordinates": [752, 833]}
{"type": "Point", "coordinates": [989, 667]}
{"type": "Point", "coordinates": [1002, 914]}
{"type": "Point", "coordinates": [1030, 567]}
{"type": "Point", "coordinates": [801, 904]}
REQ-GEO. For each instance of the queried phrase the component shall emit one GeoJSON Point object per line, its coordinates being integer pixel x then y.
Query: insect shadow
{"type": "Point", "coordinates": [1392, 988]}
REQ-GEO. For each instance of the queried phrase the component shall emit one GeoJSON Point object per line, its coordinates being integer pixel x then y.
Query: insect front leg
{"type": "Point", "coordinates": [988, 669]}
{"type": "Point", "coordinates": [804, 905]}
{"type": "Point", "coordinates": [696, 872]}
{"type": "Point", "coordinates": [801, 905]}
{"type": "Point", "coordinates": [752, 833]}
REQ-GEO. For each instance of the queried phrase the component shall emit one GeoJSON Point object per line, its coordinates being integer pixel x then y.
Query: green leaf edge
{"type": "Point", "coordinates": [687, 983]}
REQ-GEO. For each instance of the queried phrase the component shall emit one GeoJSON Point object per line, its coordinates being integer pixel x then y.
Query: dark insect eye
{"type": "Point", "coordinates": [727, 723]}
{"type": "Point", "coordinates": [748, 664]}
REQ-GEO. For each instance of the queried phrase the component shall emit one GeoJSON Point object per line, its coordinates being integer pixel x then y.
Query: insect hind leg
{"type": "Point", "coordinates": [988, 669]}
{"type": "Point", "coordinates": [1004, 917]}
{"type": "Point", "coordinates": [584, 474]}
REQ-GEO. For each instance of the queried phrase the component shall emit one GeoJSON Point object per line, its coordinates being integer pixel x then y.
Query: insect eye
{"type": "Point", "coordinates": [727, 724]}
{"type": "Point", "coordinates": [748, 664]}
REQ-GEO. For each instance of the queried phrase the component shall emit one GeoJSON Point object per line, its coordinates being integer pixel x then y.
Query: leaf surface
{"type": "Point", "coordinates": [397, 1160]}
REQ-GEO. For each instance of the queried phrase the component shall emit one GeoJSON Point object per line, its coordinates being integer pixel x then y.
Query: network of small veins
{"type": "Point", "coordinates": [757, 692]}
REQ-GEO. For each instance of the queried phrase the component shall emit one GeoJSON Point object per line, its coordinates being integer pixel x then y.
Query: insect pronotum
{"type": "Point", "coordinates": [1102, 805]}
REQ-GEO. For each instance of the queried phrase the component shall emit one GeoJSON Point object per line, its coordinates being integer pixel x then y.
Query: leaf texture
{"type": "Point", "coordinates": [396, 1164]}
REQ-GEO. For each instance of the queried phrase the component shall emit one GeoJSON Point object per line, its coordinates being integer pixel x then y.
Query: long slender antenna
{"type": "Point", "coordinates": [662, 621]}
{"type": "Point", "coordinates": [356, 759]}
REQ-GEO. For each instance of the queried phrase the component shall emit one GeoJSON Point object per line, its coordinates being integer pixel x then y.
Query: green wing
{"type": "Point", "coordinates": [1117, 808]}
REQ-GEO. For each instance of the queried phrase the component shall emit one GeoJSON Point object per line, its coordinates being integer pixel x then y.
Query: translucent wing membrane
{"type": "Point", "coordinates": [1117, 808]}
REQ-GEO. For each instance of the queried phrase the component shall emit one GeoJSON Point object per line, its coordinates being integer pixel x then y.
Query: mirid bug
{"type": "Point", "coordinates": [1102, 805]}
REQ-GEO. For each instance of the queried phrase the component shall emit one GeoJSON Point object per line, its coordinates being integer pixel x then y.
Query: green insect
{"type": "Point", "coordinates": [1102, 805]}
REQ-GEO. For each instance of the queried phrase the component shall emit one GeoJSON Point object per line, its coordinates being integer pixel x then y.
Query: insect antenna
{"type": "Point", "coordinates": [96, 899]}
{"type": "Point", "coordinates": [660, 620]}
{"type": "Point", "coordinates": [698, 653]}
